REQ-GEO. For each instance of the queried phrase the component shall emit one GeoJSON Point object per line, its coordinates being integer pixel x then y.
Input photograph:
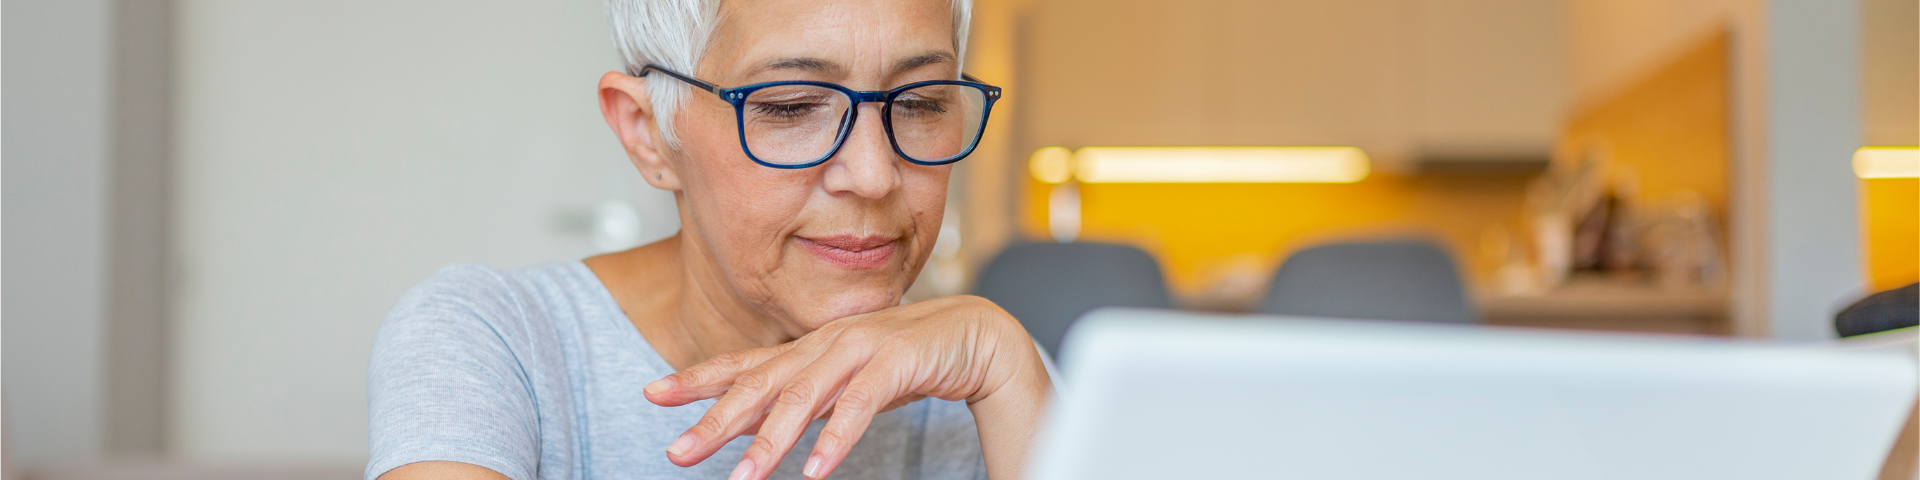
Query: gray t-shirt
{"type": "Point", "coordinates": [536, 373]}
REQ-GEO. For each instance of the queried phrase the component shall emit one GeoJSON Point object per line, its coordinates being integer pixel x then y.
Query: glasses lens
{"type": "Point", "coordinates": [935, 123]}
{"type": "Point", "coordinates": [792, 124]}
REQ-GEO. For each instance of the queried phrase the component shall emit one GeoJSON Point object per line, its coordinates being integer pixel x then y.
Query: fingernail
{"type": "Point", "coordinates": [659, 387]}
{"type": "Point", "coordinates": [812, 469]}
{"type": "Point", "coordinates": [743, 471]}
{"type": "Point", "coordinates": [681, 445]}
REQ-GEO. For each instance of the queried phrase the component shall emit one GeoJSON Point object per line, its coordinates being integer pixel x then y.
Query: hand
{"type": "Point", "coordinates": [951, 348]}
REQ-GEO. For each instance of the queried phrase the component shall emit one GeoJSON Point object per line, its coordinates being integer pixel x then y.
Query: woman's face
{"type": "Point", "coordinates": [808, 246]}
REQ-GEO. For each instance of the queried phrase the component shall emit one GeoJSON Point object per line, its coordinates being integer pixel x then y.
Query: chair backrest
{"type": "Point", "coordinates": [1392, 280]}
{"type": "Point", "coordinates": [1049, 285]}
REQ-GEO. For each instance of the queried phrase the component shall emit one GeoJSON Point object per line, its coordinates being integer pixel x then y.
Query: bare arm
{"type": "Point", "coordinates": [1009, 418]}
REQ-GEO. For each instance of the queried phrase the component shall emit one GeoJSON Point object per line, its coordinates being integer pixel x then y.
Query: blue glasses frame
{"type": "Point", "coordinates": [738, 97]}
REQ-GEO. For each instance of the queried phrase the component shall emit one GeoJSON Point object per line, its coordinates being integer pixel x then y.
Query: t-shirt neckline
{"type": "Point", "coordinates": [628, 333]}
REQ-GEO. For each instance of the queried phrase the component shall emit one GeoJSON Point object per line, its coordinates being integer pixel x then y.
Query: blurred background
{"type": "Point", "coordinates": [210, 204]}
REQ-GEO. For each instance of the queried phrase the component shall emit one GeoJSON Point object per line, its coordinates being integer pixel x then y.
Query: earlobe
{"type": "Point", "coordinates": [625, 102]}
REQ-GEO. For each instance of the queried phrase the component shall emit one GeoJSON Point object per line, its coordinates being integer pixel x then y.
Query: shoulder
{"type": "Point", "coordinates": [455, 287]}
{"type": "Point", "coordinates": [466, 314]}
{"type": "Point", "coordinates": [470, 296]}
{"type": "Point", "coordinates": [469, 285]}
{"type": "Point", "coordinates": [452, 305]}
{"type": "Point", "coordinates": [467, 368]}
{"type": "Point", "coordinates": [528, 315]}
{"type": "Point", "coordinates": [463, 312]}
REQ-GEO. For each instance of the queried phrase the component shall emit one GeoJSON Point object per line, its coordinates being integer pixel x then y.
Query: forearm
{"type": "Point", "coordinates": [1009, 421]}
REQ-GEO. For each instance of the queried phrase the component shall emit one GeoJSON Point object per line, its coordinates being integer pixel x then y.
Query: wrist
{"type": "Point", "coordinates": [1013, 364]}
{"type": "Point", "coordinates": [1008, 418]}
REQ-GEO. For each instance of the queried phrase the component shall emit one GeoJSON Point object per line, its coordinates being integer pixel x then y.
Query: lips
{"type": "Point", "coordinates": [851, 251]}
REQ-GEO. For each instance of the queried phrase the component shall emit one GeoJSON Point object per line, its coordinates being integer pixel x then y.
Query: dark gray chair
{"type": "Point", "coordinates": [1392, 280]}
{"type": "Point", "coordinates": [1888, 310]}
{"type": "Point", "coordinates": [1049, 285]}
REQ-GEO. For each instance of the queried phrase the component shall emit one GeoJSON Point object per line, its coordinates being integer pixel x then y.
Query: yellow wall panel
{"type": "Point", "coordinates": [1891, 207]}
{"type": "Point", "coordinates": [1668, 133]}
{"type": "Point", "coordinates": [1200, 232]}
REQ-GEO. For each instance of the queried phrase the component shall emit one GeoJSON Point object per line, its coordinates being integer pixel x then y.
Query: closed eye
{"type": "Point", "coordinates": [917, 106]}
{"type": "Point", "coordinates": [787, 110]}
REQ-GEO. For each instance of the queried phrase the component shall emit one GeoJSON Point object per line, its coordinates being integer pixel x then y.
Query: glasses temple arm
{"type": "Point", "coordinates": [684, 78]}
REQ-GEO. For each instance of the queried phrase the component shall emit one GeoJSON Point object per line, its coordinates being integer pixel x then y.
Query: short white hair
{"type": "Point", "coordinates": [674, 33]}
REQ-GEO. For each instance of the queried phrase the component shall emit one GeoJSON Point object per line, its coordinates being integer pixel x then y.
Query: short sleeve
{"type": "Point", "coordinates": [445, 383]}
{"type": "Point", "coordinates": [952, 448]}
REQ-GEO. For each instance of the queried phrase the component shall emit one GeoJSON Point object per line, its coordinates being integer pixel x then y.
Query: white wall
{"type": "Point", "coordinates": [55, 203]}
{"type": "Point", "coordinates": [331, 154]}
{"type": "Point", "coordinates": [1813, 119]}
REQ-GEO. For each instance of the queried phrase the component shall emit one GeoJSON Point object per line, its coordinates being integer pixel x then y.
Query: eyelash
{"type": "Point", "coordinates": [926, 105]}
{"type": "Point", "coordinates": [782, 110]}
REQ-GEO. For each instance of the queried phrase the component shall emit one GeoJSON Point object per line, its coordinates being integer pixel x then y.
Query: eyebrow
{"type": "Point", "coordinates": [922, 60]}
{"type": "Point", "coordinates": [808, 64]}
{"type": "Point", "coordinates": [824, 66]}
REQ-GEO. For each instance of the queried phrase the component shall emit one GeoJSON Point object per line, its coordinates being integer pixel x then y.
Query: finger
{"type": "Point", "coordinates": [808, 396]}
{"type": "Point", "coordinates": [710, 378]}
{"type": "Point", "coordinates": [740, 409]}
{"type": "Point", "coordinates": [875, 387]}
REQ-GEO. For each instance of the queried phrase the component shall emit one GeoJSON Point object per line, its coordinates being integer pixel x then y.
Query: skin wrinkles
{"type": "Point", "coordinates": [866, 160]}
{"type": "Point", "coordinates": [747, 212]}
{"type": "Point", "coordinates": [746, 312]}
{"type": "Point", "coordinates": [817, 66]}
{"type": "Point", "coordinates": [830, 69]}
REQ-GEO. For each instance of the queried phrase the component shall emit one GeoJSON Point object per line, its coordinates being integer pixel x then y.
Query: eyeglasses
{"type": "Point", "coordinates": [799, 124]}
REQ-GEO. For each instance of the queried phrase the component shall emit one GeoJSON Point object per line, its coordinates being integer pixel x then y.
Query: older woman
{"type": "Point", "coordinates": [808, 145]}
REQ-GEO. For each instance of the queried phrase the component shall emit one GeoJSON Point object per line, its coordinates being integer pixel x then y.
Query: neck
{"type": "Point", "coordinates": [678, 299]}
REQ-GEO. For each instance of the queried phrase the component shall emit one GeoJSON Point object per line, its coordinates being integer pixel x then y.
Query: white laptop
{"type": "Point", "coordinates": [1158, 395]}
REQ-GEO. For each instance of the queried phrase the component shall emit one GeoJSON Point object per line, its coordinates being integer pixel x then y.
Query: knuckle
{"type": "Point", "coordinates": [752, 382]}
{"type": "Point", "coordinates": [730, 359]}
{"type": "Point", "coordinates": [709, 427]}
{"type": "Point", "coordinates": [797, 395]}
{"type": "Point", "coordinates": [763, 445]}
{"type": "Point", "coordinates": [831, 439]}
{"type": "Point", "coordinates": [856, 400]}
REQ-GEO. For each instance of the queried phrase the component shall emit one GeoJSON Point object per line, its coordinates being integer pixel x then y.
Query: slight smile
{"type": "Point", "coordinates": [850, 251]}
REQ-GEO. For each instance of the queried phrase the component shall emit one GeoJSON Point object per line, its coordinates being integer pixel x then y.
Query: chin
{"type": "Point", "coordinates": [853, 301]}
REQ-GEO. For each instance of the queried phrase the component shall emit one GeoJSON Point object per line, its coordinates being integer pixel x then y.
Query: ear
{"type": "Point", "coordinates": [626, 103]}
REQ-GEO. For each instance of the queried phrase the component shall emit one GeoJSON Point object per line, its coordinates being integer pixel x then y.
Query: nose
{"type": "Point", "coordinates": [866, 164]}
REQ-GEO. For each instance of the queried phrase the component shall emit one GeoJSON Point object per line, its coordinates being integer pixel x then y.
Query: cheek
{"type": "Point", "coordinates": [744, 209]}
{"type": "Point", "coordinates": [925, 191]}
{"type": "Point", "coordinates": [926, 187]}
{"type": "Point", "coordinates": [753, 218]}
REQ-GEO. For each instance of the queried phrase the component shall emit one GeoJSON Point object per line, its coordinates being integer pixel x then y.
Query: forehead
{"type": "Point", "coordinates": [852, 37]}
